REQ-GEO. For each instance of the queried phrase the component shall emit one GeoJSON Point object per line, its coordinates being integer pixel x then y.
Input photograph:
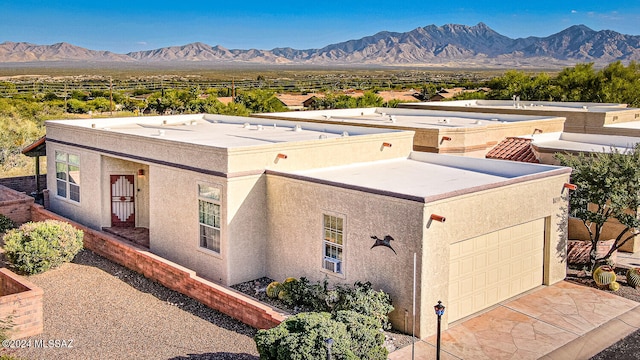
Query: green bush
{"type": "Point", "coordinates": [360, 298]}
{"type": "Point", "coordinates": [303, 336]}
{"type": "Point", "coordinates": [306, 296]}
{"type": "Point", "coordinates": [6, 224]}
{"type": "Point", "coordinates": [36, 247]}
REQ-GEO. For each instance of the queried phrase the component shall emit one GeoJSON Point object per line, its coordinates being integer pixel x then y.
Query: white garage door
{"type": "Point", "coordinates": [490, 268]}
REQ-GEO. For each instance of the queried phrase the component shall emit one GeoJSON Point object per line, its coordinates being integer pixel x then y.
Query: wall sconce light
{"type": "Point", "coordinates": [570, 186]}
{"type": "Point", "coordinates": [438, 218]}
{"type": "Point", "coordinates": [386, 144]}
{"type": "Point", "coordinates": [282, 156]}
{"type": "Point", "coordinates": [140, 172]}
{"type": "Point", "coordinates": [446, 138]}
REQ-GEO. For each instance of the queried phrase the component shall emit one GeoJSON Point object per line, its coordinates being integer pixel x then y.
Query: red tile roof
{"type": "Point", "coordinates": [514, 149]}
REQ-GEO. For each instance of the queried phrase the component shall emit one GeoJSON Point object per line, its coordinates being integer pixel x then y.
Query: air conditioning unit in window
{"type": "Point", "coordinates": [333, 265]}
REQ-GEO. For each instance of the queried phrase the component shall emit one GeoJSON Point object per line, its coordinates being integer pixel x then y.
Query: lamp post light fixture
{"type": "Point", "coordinates": [439, 309]}
{"type": "Point", "coordinates": [328, 342]}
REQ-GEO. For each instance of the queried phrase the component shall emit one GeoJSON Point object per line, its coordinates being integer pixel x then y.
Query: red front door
{"type": "Point", "coordinates": [122, 201]}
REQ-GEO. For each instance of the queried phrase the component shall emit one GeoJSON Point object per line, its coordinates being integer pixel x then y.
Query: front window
{"type": "Point", "coordinates": [209, 213]}
{"type": "Point", "coordinates": [68, 175]}
{"type": "Point", "coordinates": [333, 243]}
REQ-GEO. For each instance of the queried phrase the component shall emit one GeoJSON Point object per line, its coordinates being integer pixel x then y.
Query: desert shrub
{"type": "Point", "coordinates": [303, 336]}
{"type": "Point", "coordinates": [362, 299]}
{"type": "Point", "coordinates": [6, 224]}
{"type": "Point", "coordinates": [36, 247]}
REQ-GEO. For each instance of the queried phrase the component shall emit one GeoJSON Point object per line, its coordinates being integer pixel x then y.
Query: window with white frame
{"type": "Point", "coordinates": [209, 213]}
{"type": "Point", "coordinates": [333, 243]}
{"type": "Point", "coordinates": [68, 175]}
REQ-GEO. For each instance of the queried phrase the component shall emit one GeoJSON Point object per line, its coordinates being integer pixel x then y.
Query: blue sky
{"type": "Point", "coordinates": [124, 26]}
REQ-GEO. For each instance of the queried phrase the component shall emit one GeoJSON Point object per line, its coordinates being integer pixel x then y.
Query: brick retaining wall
{"type": "Point", "coordinates": [25, 184]}
{"type": "Point", "coordinates": [15, 205]}
{"type": "Point", "coordinates": [21, 301]}
{"type": "Point", "coordinates": [173, 276]}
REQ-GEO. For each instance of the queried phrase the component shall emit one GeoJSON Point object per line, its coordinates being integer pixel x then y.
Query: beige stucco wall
{"type": "Point", "coordinates": [610, 230]}
{"type": "Point", "coordinates": [300, 155]}
{"type": "Point", "coordinates": [295, 249]}
{"type": "Point", "coordinates": [88, 210]}
{"type": "Point", "coordinates": [247, 223]}
{"type": "Point", "coordinates": [483, 212]}
{"type": "Point", "coordinates": [295, 238]}
{"type": "Point", "coordinates": [174, 232]}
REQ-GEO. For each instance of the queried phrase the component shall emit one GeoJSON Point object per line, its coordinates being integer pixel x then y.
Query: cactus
{"type": "Point", "coordinates": [289, 280]}
{"type": "Point", "coordinates": [283, 295]}
{"type": "Point", "coordinates": [614, 286]}
{"type": "Point", "coordinates": [604, 275]}
{"type": "Point", "coordinates": [274, 289]}
{"type": "Point", "coordinates": [633, 277]}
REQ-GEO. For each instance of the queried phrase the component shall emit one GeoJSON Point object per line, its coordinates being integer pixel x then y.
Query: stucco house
{"type": "Point", "coordinates": [582, 117]}
{"type": "Point", "coordinates": [237, 199]}
{"type": "Point", "coordinates": [444, 132]}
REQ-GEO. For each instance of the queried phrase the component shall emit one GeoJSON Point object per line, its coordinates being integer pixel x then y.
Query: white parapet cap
{"type": "Point", "coordinates": [405, 117]}
{"type": "Point", "coordinates": [576, 142]}
{"type": "Point", "coordinates": [523, 105]}
{"type": "Point", "coordinates": [219, 130]}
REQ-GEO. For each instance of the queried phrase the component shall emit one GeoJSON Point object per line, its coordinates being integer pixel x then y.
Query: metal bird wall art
{"type": "Point", "coordinates": [383, 242]}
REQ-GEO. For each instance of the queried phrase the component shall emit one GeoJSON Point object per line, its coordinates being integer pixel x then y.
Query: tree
{"type": "Point", "coordinates": [608, 188]}
{"type": "Point", "coordinates": [579, 83]}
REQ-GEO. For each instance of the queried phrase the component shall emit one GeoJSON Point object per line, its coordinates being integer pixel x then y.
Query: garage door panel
{"type": "Point", "coordinates": [494, 267]}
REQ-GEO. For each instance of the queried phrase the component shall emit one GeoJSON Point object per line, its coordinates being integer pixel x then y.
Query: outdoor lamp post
{"type": "Point", "coordinates": [439, 308]}
{"type": "Point", "coordinates": [328, 342]}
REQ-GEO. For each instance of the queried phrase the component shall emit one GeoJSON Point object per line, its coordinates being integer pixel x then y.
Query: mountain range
{"type": "Point", "coordinates": [447, 45]}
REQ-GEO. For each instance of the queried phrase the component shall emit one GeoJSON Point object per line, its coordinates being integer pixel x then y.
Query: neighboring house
{"type": "Point", "coordinates": [297, 102]}
{"type": "Point", "coordinates": [225, 99]}
{"type": "Point", "coordinates": [446, 94]}
{"type": "Point", "coordinates": [403, 96]}
{"type": "Point", "coordinates": [589, 118]}
{"type": "Point", "coordinates": [456, 133]}
{"type": "Point", "coordinates": [237, 199]}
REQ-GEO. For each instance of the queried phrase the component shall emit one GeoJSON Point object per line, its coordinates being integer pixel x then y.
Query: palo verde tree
{"type": "Point", "coordinates": [608, 189]}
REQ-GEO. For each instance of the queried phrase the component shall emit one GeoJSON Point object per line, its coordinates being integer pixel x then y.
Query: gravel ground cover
{"type": "Point", "coordinates": [110, 312]}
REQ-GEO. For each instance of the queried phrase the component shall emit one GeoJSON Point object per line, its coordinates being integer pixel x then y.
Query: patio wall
{"type": "Point", "coordinates": [173, 276]}
{"type": "Point", "coordinates": [15, 205]}
{"type": "Point", "coordinates": [21, 302]}
{"type": "Point", "coordinates": [25, 184]}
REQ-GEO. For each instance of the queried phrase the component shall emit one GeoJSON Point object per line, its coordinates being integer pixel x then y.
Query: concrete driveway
{"type": "Point", "coordinates": [562, 321]}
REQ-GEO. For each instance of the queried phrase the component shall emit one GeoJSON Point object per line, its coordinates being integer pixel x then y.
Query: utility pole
{"type": "Point", "coordinates": [111, 95]}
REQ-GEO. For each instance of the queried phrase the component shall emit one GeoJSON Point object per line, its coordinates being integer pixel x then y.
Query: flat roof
{"type": "Point", "coordinates": [429, 176]}
{"type": "Point", "coordinates": [575, 142]}
{"type": "Point", "coordinates": [220, 130]}
{"type": "Point", "coordinates": [404, 117]}
{"type": "Point", "coordinates": [524, 105]}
